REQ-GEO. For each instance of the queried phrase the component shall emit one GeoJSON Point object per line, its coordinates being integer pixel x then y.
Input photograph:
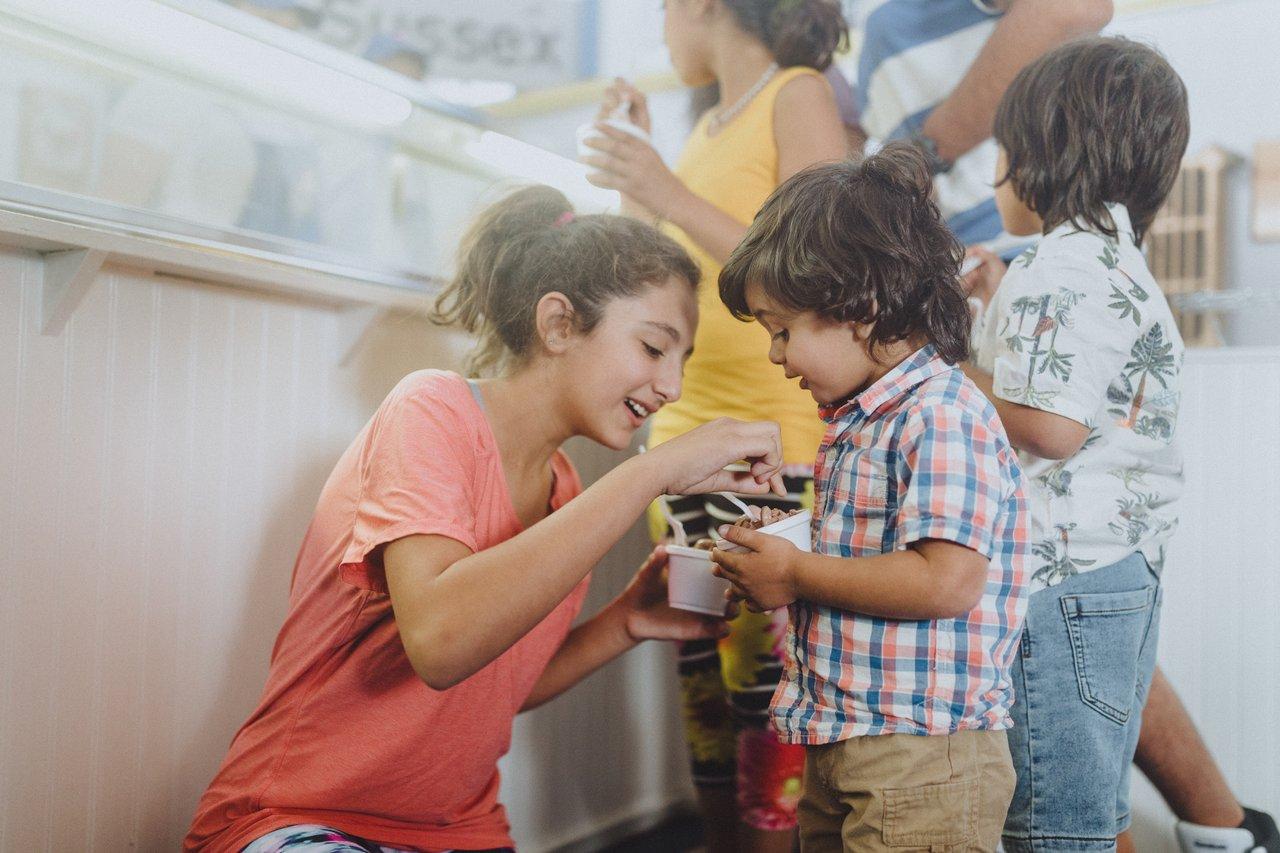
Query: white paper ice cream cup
{"type": "Point", "coordinates": [590, 131]}
{"type": "Point", "coordinates": [690, 584]}
{"type": "Point", "coordinates": [794, 529]}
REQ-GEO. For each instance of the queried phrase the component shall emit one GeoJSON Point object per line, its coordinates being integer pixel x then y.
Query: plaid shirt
{"type": "Point", "coordinates": [921, 454]}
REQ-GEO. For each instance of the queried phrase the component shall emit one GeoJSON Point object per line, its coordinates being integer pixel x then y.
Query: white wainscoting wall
{"type": "Point", "coordinates": [1220, 630]}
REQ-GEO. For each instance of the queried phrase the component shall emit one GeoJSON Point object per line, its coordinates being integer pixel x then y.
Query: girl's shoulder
{"type": "Point", "coordinates": [441, 398]}
{"type": "Point", "coordinates": [443, 386]}
{"type": "Point", "coordinates": [786, 75]}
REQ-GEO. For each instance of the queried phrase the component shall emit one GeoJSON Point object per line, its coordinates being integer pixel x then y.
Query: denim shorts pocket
{"type": "Point", "coordinates": [1107, 633]}
{"type": "Point", "coordinates": [932, 815]}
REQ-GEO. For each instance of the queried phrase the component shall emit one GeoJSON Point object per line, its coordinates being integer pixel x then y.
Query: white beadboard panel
{"type": "Point", "coordinates": [161, 457]}
{"type": "Point", "coordinates": [1219, 639]}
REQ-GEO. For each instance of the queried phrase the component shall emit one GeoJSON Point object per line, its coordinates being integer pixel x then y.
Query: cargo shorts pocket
{"type": "Point", "coordinates": [939, 815]}
{"type": "Point", "coordinates": [1107, 632]}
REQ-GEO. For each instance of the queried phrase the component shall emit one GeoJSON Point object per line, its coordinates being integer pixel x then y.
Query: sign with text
{"type": "Point", "coordinates": [532, 43]}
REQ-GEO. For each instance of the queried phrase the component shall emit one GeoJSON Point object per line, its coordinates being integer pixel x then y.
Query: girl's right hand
{"type": "Point", "coordinates": [694, 463]}
{"type": "Point", "coordinates": [620, 89]}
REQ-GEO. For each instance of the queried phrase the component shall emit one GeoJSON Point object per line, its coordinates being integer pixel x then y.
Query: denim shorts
{"type": "Point", "coordinates": [1081, 677]}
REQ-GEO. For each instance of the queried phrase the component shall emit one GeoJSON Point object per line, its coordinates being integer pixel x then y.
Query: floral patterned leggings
{"type": "Point", "coordinates": [312, 838]}
{"type": "Point", "coordinates": [726, 685]}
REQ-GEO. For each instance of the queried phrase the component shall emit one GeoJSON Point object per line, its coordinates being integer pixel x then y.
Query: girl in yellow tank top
{"type": "Point", "coordinates": [776, 116]}
{"type": "Point", "coordinates": [728, 373]}
{"type": "Point", "coordinates": [726, 171]}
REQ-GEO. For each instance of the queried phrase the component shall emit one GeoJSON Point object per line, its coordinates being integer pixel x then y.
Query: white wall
{"type": "Point", "coordinates": [159, 461]}
{"type": "Point", "coordinates": [1219, 643]}
{"type": "Point", "coordinates": [1228, 53]}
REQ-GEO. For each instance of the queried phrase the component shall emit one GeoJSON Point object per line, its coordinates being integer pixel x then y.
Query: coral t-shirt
{"type": "Point", "coordinates": [346, 734]}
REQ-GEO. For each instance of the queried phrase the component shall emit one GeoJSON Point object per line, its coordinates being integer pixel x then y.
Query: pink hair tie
{"type": "Point", "coordinates": [564, 218]}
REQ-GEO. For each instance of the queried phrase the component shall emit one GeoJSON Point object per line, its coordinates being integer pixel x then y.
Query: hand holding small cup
{"type": "Point", "coordinates": [650, 617]}
{"type": "Point", "coordinates": [763, 576]}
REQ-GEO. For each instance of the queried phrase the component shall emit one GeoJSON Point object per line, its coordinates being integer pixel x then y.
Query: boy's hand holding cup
{"type": "Point", "coordinates": [761, 568]}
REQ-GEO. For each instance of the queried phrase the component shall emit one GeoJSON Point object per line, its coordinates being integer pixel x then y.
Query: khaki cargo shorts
{"type": "Point", "coordinates": [906, 792]}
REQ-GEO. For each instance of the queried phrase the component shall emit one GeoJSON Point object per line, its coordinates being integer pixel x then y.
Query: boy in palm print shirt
{"type": "Point", "coordinates": [1079, 353]}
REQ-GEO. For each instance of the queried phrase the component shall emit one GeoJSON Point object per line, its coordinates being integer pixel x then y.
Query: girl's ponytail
{"type": "Point", "coordinates": [478, 299]}
{"type": "Point", "coordinates": [530, 244]}
{"type": "Point", "coordinates": [796, 32]}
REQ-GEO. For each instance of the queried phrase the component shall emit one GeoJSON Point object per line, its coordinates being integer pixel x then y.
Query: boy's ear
{"type": "Point", "coordinates": [701, 8]}
{"type": "Point", "coordinates": [553, 321]}
{"type": "Point", "coordinates": [862, 331]}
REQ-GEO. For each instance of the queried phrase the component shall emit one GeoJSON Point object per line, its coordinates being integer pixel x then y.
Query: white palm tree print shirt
{"type": "Point", "coordinates": [1080, 328]}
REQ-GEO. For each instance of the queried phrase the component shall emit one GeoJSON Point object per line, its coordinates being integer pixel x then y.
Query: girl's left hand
{"type": "Point", "coordinates": [649, 617]}
{"type": "Point", "coordinates": [632, 167]}
{"type": "Point", "coordinates": [762, 577]}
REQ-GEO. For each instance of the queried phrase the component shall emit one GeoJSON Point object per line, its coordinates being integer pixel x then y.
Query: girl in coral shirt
{"type": "Point", "coordinates": [434, 592]}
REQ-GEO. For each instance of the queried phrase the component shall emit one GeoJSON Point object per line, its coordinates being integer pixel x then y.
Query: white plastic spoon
{"type": "Point", "coordinates": [749, 511]}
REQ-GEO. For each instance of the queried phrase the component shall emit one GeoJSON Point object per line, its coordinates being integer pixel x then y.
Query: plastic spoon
{"type": "Point", "coordinates": [677, 529]}
{"type": "Point", "coordinates": [749, 512]}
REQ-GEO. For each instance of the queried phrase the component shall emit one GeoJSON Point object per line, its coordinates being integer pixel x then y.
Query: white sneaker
{"type": "Point", "coordinates": [1194, 838]}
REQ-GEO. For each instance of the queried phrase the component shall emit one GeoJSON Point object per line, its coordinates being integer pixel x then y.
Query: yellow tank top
{"type": "Point", "coordinates": [729, 373]}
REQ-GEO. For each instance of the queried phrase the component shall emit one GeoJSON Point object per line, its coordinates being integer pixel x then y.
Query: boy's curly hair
{"type": "Point", "coordinates": [1098, 120]}
{"type": "Point", "coordinates": [858, 242]}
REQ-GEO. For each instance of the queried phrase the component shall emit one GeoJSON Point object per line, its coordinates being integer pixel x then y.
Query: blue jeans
{"type": "Point", "coordinates": [1081, 677]}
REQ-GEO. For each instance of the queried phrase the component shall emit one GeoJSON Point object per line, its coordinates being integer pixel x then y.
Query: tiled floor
{"type": "Point", "coordinates": [682, 834]}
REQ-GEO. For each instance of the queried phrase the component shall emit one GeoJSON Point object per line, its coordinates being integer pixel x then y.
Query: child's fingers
{"type": "Point", "coordinates": [623, 139]}
{"type": "Point", "coordinates": [599, 161]}
{"type": "Point", "coordinates": [627, 89]}
{"type": "Point", "coordinates": [737, 598]}
{"type": "Point", "coordinates": [609, 103]}
{"type": "Point", "coordinates": [762, 470]}
{"type": "Point", "coordinates": [741, 536]}
{"type": "Point", "coordinates": [741, 481]}
{"type": "Point", "coordinates": [605, 180]}
{"type": "Point", "coordinates": [613, 148]}
{"type": "Point", "coordinates": [726, 564]}
{"type": "Point", "coordinates": [656, 560]}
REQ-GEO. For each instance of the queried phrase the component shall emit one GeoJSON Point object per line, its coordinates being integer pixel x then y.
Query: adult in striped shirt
{"type": "Point", "coordinates": [933, 71]}
{"type": "Point", "coordinates": [906, 615]}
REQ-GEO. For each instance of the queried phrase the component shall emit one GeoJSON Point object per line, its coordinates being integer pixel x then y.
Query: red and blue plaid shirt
{"type": "Point", "coordinates": [921, 454]}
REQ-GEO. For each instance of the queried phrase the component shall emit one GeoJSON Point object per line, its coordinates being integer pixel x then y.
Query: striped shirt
{"type": "Point", "coordinates": [921, 454]}
{"type": "Point", "coordinates": [913, 54]}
